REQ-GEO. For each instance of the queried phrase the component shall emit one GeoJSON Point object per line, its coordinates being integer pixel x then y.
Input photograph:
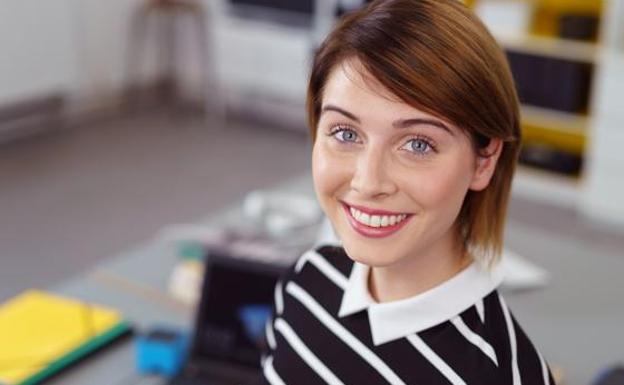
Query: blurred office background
{"type": "Point", "coordinates": [120, 117]}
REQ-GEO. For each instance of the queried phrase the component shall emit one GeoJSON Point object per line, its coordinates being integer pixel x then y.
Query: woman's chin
{"type": "Point", "coordinates": [371, 256]}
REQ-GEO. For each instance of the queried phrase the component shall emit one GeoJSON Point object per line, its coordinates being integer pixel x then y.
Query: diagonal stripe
{"type": "Point", "coordinates": [270, 374]}
{"type": "Point", "coordinates": [305, 353]}
{"type": "Point", "coordinates": [268, 330]}
{"type": "Point", "coordinates": [512, 342]}
{"type": "Point", "coordinates": [475, 339]}
{"type": "Point", "coordinates": [335, 327]}
{"type": "Point", "coordinates": [279, 298]}
{"type": "Point", "coordinates": [324, 267]}
{"type": "Point", "coordinates": [435, 360]}
{"type": "Point", "coordinates": [480, 310]}
{"type": "Point", "coordinates": [544, 370]}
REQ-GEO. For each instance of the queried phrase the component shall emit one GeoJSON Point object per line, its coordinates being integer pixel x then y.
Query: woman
{"type": "Point", "coordinates": [415, 123]}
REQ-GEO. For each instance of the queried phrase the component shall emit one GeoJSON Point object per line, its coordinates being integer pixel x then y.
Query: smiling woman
{"type": "Point", "coordinates": [376, 157]}
{"type": "Point", "coordinates": [415, 122]}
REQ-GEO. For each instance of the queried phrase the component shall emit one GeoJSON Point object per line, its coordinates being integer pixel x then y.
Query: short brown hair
{"type": "Point", "coordinates": [437, 56]}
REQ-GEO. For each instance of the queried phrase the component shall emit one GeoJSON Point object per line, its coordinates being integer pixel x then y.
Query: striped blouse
{"type": "Point", "coordinates": [327, 329]}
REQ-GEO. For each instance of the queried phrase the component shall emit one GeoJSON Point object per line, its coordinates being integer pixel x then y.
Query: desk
{"type": "Point", "coordinates": [576, 321]}
{"type": "Point", "coordinates": [135, 283]}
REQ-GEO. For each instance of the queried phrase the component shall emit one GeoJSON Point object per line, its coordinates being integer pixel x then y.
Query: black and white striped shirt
{"type": "Point", "coordinates": [327, 329]}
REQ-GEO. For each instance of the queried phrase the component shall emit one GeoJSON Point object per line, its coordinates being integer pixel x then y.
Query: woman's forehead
{"type": "Point", "coordinates": [350, 86]}
{"type": "Point", "coordinates": [351, 77]}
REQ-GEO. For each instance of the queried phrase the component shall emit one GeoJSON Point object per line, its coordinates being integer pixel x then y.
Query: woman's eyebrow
{"type": "Point", "coordinates": [331, 107]}
{"type": "Point", "coordinates": [402, 123]}
{"type": "Point", "coordinates": [405, 123]}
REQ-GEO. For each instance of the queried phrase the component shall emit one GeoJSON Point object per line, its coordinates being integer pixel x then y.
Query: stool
{"type": "Point", "coordinates": [171, 12]}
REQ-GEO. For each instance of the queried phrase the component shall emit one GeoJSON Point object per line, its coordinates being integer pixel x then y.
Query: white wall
{"type": "Point", "coordinates": [36, 55]}
{"type": "Point", "coordinates": [77, 47]}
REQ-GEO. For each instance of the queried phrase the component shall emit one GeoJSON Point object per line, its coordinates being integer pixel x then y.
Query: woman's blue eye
{"type": "Point", "coordinates": [346, 135]}
{"type": "Point", "coordinates": [417, 146]}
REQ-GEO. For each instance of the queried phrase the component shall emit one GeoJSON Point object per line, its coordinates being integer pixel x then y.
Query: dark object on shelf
{"type": "Point", "coordinates": [341, 9]}
{"type": "Point", "coordinates": [578, 27]}
{"type": "Point", "coordinates": [610, 376]}
{"type": "Point", "coordinates": [551, 82]}
{"type": "Point", "coordinates": [300, 6]}
{"type": "Point", "coordinates": [292, 13]}
{"type": "Point", "coordinates": [550, 158]}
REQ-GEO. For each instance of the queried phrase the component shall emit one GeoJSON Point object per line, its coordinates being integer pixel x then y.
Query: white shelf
{"type": "Point", "coordinates": [569, 123]}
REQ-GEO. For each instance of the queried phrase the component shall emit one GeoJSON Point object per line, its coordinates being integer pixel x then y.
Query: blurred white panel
{"type": "Point", "coordinates": [506, 18]}
{"type": "Point", "coordinates": [604, 192]}
{"type": "Point", "coordinates": [607, 141]}
{"type": "Point", "coordinates": [604, 170]}
{"type": "Point", "coordinates": [261, 57]}
{"type": "Point", "coordinates": [609, 88]}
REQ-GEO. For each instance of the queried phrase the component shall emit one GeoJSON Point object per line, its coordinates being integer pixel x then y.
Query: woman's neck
{"type": "Point", "coordinates": [418, 273]}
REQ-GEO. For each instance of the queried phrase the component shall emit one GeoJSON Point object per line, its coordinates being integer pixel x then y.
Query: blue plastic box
{"type": "Point", "coordinates": [162, 350]}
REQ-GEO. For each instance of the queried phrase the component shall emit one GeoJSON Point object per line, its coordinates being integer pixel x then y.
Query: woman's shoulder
{"type": "Point", "coordinates": [326, 263]}
{"type": "Point", "coordinates": [328, 258]}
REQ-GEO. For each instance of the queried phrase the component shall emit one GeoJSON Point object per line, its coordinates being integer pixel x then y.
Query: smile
{"type": "Point", "coordinates": [374, 223]}
{"type": "Point", "coordinates": [376, 220]}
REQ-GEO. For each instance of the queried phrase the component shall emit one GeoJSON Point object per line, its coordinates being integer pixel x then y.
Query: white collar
{"type": "Point", "coordinates": [398, 319]}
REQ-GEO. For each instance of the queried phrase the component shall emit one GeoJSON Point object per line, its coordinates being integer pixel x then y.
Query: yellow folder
{"type": "Point", "coordinates": [41, 333]}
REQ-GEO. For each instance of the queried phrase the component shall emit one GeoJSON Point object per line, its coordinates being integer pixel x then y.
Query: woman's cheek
{"type": "Point", "coordinates": [450, 187]}
{"type": "Point", "coordinates": [321, 168]}
{"type": "Point", "coordinates": [332, 171]}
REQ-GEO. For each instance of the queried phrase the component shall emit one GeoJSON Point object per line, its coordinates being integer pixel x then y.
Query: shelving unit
{"type": "Point", "coordinates": [595, 132]}
{"type": "Point", "coordinates": [535, 35]}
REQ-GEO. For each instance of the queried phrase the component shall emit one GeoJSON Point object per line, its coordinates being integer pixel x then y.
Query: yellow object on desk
{"type": "Point", "coordinates": [41, 333]}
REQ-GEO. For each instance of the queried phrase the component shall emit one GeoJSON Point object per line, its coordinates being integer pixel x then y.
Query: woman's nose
{"type": "Point", "coordinates": [371, 177]}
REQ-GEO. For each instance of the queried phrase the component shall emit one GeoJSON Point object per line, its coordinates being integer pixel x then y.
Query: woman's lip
{"type": "Point", "coordinates": [373, 232]}
{"type": "Point", "coordinates": [372, 211]}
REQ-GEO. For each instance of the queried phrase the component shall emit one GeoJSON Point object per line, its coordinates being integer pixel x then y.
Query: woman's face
{"type": "Point", "coordinates": [391, 178]}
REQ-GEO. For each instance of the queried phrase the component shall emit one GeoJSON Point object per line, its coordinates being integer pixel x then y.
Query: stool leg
{"type": "Point", "coordinates": [168, 54]}
{"type": "Point", "coordinates": [214, 103]}
{"type": "Point", "coordinates": [134, 50]}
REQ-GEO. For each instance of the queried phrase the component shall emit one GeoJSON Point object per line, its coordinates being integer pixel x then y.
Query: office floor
{"type": "Point", "coordinates": [72, 198]}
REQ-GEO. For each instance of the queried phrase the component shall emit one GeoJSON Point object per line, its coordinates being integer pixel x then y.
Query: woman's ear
{"type": "Point", "coordinates": [486, 164]}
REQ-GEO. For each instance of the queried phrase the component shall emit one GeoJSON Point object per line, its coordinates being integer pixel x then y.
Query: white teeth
{"type": "Point", "coordinates": [364, 218]}
{"type": "Point", "coordinates": [376, 220]}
